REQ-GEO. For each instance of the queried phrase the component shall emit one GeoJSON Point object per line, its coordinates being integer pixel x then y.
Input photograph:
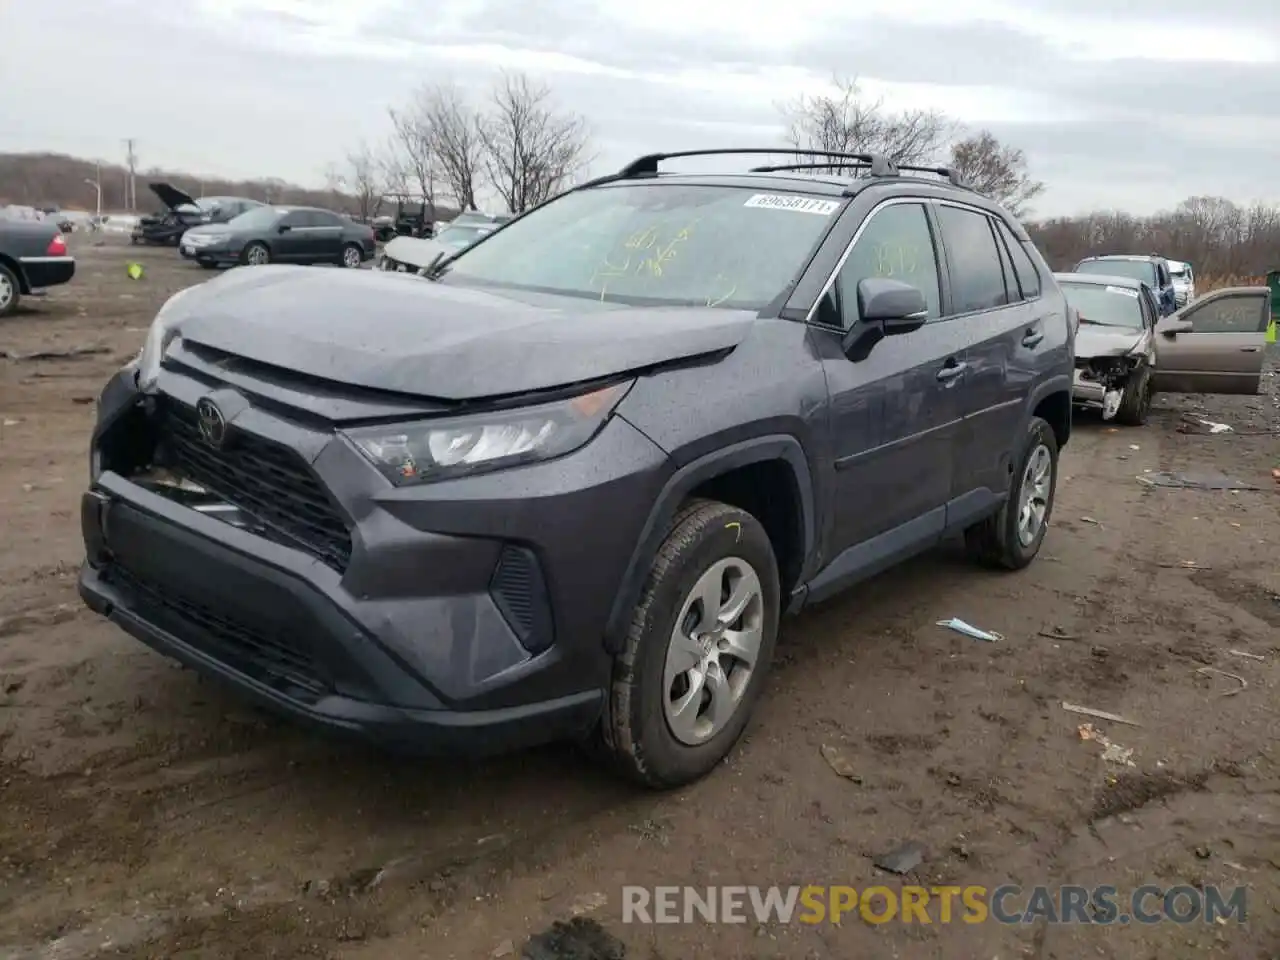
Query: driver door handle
{"type": "Point", "coordinates": [951, 371]}
{"type": "Point", "coordinates": [1250, 349]}
{"type": "Point", "coordinates": [1032, 337]}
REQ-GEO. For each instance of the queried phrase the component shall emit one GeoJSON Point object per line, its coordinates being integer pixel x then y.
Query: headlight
{"type": "Point", "coordinates": [438, 449]}
{"type": "Point", "coordinates": [163, 330]}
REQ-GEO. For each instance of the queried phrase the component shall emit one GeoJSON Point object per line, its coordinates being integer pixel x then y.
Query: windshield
{"type": "Point", "coordinates": [1105, 306]}
{"type": "Point", "coordinates": [655, 244]}
{"type": "Point", "coordinates": [257, 218]}
{"type": "Point", "coordinates": [1142, 270]}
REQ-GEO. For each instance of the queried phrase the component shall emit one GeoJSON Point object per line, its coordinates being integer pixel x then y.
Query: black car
{"type": "Point", "coordinates": [33, 255]}
{"type": "Point", "coordinates": [182, 212]}
{"type": "Point", "coordinates": [566, 483]}
{"type": "Point", "coordinates": [280, 235]}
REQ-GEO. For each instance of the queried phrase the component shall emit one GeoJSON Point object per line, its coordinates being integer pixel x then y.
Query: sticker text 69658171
{"type": "Point", "coordinates": [797, 204]}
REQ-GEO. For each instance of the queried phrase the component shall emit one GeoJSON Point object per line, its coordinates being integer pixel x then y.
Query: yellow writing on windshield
{"type": "Point", "coordinates": [643, 255]}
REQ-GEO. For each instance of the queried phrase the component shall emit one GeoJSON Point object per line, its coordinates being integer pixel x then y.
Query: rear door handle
{"type": "Point", "coordinates": [1032, 337]}
{"type": "Point", "coordinates": [1250, 349]}
{"type": "Point", "coordinates": [951, 371]}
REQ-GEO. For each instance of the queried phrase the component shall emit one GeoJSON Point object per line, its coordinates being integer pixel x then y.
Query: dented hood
{"type": "Point", "coordinates": [1094, 340]}
{"type": "Point", "coordinates": [400, 333]}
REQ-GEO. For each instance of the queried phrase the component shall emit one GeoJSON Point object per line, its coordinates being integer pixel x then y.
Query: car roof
{"type": "Point", "coordinates": [1144, 257]}
{"type": "Point", "coordinates": [1099, 280]}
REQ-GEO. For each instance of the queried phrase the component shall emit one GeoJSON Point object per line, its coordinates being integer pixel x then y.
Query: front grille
{"type": "Point", "coordinates": [269, 657]}
{"type": "Point", "coordinates": [263, 478]}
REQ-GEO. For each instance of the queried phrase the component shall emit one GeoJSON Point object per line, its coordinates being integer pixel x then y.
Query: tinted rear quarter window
{"type": "Point", "coordinates": [977, 280]}
{"type": "Point", "coordinates": [1023, 268]}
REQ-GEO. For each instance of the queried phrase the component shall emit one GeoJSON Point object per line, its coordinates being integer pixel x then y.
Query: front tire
{"type": "Point", "coordinates": [10, 291]}
{"type": "Point", "coordinates": [256, 254]}
{"type": "Point", "coordinates": [1135, 402]}
{"type": "Point", "coordinates": [1011, 538]}
{"type": "Point", "coordinates": [352, 256]}
{"type": "Point", "coordinates": [698, 651]}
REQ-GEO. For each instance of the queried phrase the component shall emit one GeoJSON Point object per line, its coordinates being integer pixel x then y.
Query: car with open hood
{"type": "Point", "coordinates": [1126, 352]}
{"type": "Point", "coordinates": [263, 235]}
{"type": "Point", "coordinates": [564, 483]}
{"type": "Point", "coordinates": [182, 212]}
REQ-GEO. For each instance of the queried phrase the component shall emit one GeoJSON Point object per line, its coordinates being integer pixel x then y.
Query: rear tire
{"type": "Point", "coordinates": [686, 681]}
{"type": "Point", "coordinates": [10, 291]}
{"type": "Point", "coordinates": [352, 256]}
{"type": "Point", "coordinates": [1007, 540]}
{"type": "Point", "coordinates": [1135, 403]}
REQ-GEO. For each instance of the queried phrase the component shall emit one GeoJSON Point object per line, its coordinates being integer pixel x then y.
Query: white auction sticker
{"type": "Point", "coordinates": [1126, 291]}
{"type": "Point", "coordinates": [778, 201]}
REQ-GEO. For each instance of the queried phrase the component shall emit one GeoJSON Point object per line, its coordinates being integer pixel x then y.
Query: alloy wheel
{"type": "Point", "coordinates": [1033, 500]}
{"type": "Point", "coordinates": [713, 650]}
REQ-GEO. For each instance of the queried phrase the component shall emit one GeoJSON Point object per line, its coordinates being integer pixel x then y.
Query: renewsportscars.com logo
{"type": "Point", "coordinates": [1006, 904]}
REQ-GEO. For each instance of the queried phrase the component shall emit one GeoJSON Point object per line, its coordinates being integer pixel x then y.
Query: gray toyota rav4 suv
{"type": "Point", "coordinates": [564, 483]}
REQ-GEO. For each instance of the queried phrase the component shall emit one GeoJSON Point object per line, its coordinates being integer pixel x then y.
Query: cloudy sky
{"type": "Point", "coordinates": [1134, 109]}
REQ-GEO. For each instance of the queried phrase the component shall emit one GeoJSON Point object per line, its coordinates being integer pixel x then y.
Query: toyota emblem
{"type": "Point", "coordinates": [213, 425]}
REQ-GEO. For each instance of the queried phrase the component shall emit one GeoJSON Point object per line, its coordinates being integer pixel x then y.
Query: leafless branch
{"type": "Point", "coordinates": [996, 170]}
{"type": "Point", "coordinates": [531, 150]}
{"type": "Point", "coordinates": [846, 121]}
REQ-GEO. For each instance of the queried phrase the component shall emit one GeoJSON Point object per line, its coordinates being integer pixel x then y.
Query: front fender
{"type": "Point", "coordinates": [676, 490]}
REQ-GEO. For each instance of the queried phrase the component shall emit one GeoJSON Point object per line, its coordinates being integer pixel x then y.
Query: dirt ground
{"type": "Point", "coordinates": [144, 813]}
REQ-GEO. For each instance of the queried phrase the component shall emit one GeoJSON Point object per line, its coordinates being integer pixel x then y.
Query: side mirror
{"type": "Point", "coordinates": [896, 306]}
{"type": "Point", "coordinates": [283, 228]}
{"type": "Point", "coordinates": [886, 307]}
{"type": "Point", "coordinates": [1171, 328]}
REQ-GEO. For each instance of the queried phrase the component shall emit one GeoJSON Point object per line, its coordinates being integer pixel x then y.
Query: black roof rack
{"type": "Point", "coordinates": [834, 166]}
{"type": "Point", "coordinates": [950, 174]}
{"type": "Point", "coordinates": [881, 166]}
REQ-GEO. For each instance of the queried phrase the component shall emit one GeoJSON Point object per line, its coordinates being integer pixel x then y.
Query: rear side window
{"type": "Point", "coordinates": [1023, 268]}
{"type": "Point", "coordinates": [977, 280]}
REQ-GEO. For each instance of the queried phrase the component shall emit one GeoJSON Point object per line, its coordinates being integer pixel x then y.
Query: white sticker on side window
{"type": "Point", "coordinates": [778, 201]}
{"type": "Point", "coordinates": [1124, 290]}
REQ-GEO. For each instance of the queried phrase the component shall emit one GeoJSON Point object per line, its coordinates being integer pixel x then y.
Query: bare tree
{"type": "Point", "coordinates": [997, 170]}
{"type": "Point", "coordinates": [452, 124]}
{"type": "Point", "coordinates": [411, 154]}
{"type": "Point", "coordinates": [846, 121]}
{"type": "Point", "coordinates": [363, 180]}
{"type": "Point", "coordinates": [530, 149]}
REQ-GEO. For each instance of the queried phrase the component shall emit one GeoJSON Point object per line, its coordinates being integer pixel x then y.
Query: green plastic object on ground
{"type": "Point", "coordinates": [1273, 281]}
{"type": "Point", "coordinates": [135, 271]}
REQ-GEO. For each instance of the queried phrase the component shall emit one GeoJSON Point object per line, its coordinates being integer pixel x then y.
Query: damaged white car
{"type": "Point", "coordinates": [1125, 353]}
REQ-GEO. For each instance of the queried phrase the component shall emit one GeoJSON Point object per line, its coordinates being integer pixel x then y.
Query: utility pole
{"type": "Point", "coordinates": [131, 186]}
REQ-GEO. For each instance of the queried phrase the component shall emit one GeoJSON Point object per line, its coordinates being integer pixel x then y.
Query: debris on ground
{"type": "Point", "coordinates": [586, 903]}
{"type": "Point", "coordinates": [1057, 633]}
{"type": "Point", "coordinates": [1193, 424]}
{"type": "Point", "coordinates": [1098, 714]}
{"type": "Point", "coordinates": [1244, 684]}
{"type": "Point", "coordinates": [902, 859]}
{"type": "Point", "coordinates": [1091, 520]}
{"type": "Point", "coordinates": [1183, 565]}
{"type": "Point", "coordinates": [578, 939]}
{"type": "Point", "coordinates": [959, 626]}
{"type": "Point", "coordinates": [841, 764]}
{"type": "Point", "coordinates": [72, 353]}
{"type": "Point", "coordinates": [1194, 481]}
{"type": "Point", "coordinates": [1247, 655]}
{"type": "Point", "coordinates": [1112, 752]}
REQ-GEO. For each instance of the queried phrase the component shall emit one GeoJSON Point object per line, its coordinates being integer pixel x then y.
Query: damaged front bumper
{"type": "Point", "coordinates": [1100, 382]}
